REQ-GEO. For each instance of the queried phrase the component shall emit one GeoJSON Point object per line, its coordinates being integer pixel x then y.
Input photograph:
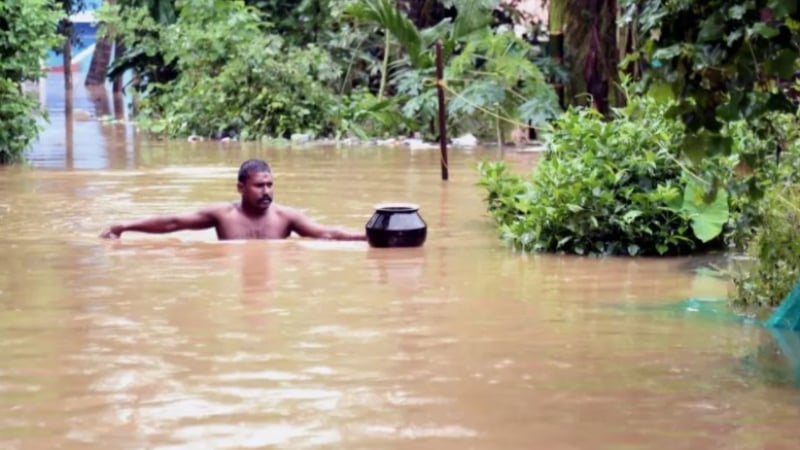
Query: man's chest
{"type": "Point", "coordinates": [245, 228]}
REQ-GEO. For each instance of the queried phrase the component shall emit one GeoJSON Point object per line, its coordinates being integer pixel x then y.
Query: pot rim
{"type": "Point", "coordinates": [393, 207]}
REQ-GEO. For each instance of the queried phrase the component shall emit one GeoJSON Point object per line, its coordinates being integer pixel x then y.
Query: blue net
{"type": "Point", "coordinates": [711, 309]}
{"type": "Point", "coordinates": [787, 316]}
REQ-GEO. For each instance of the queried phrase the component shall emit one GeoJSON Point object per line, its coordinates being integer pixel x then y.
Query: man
{"type": "Point", "coordinates": [256, 216]}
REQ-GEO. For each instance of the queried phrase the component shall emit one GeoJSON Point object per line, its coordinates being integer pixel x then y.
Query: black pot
{"type": "Point", "coordinates": [396, 225]}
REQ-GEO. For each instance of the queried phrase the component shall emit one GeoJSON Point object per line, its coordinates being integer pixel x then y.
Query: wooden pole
{"type": "Point", "coordinates": [68, 67]}
{"type": "Point", "coordinates": [442, 111]}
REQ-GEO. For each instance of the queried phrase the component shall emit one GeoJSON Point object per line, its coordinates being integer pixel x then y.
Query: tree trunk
{"type": "Point", "coordinates": [118, 96]}
{"type": "Point", "coordinates": [99, 65]}
{"type": "Point", "coordinates": [555, 15]}
{"type": "Point", "coordinates": [591, 41]}
{"type": "Point", "coordinates": [119, 50]}
{"type": "Point", "coordinates": [424, 13]}
{"type": "Point", "coordinates": [101, 58]}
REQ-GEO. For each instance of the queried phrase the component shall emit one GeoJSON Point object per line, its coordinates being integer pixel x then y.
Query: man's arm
{"type": "Point", "coordinates": [165, 224]}
{"type": "Point", "coordinates": [305, 227]}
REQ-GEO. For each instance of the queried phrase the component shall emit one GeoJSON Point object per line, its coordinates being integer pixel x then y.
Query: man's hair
{"type": "Point", "coordinates": [252, 166]}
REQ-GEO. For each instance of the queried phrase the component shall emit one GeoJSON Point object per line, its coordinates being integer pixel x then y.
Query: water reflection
{"type": "Point", "coordinates": [401, 268]}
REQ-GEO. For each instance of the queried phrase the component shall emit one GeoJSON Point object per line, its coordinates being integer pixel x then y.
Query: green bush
{"type": "Point", "coordinates": [233, 76]}
{"type": "Point", "coordinates": [609, 187]}
{"type": "Point", "coordinates": [771, 226]}
{"type": "Point", "coordinates": [767, 154]}
{"type": "Point", "coordinates": [774, 267]}
{"type": "Point", "coordinates": [27, 31]}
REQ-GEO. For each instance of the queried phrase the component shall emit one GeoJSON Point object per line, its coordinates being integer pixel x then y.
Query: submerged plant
{"type": "Point", "coordinates": [608, 187]}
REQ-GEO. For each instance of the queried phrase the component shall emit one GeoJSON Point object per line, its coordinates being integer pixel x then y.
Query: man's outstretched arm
{"type": "Point", "coordinates": [306, 227]}
{"type": "Point", "coordinates": [164, 224]}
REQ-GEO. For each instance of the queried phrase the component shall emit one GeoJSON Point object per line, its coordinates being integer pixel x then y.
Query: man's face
{"type": "Point", "coordinates": [257, 190]}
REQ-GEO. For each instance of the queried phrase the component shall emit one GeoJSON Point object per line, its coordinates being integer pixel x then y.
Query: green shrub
{"type": "Point", "coordinates": [774, 267]}
{"type": "Point", "coordinates": [364, 115]}
{"type": "Point", "coordinates": [233, 76]}
{"type": "Point", "coordinates": [766, 154]}
{"type": "Point", "coordinates": [609, 187]}
{"type": "Point", "coordinates": [27, 31]}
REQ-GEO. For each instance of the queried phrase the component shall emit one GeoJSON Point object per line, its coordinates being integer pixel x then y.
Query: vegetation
{"type": "Point", "coordinates": [232, 77]}
{"type": "Point", "coordinates": [771, 224]}
{"type": "Point", "coordinates": [705, 154]}
{"type": "Point", "coordinates": [723, 60]}
{"type": "Point", "coordinates": [27, 31]}
{"type": "Point", "coordinates": [232, 68]}
{"type": "Point", "coordinates": [607, 187]}
{"type": "Point", "coordinates": [775, 251]}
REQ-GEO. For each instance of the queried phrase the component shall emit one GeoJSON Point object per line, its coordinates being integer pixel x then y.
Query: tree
{"type": "Point", "coordinates": [591, 49]}
{"type": "Point", "coordinates": [101, 58]}
{"type": "Point", "coordinates": [65, 28]}
{"type": "Point", "coordinates": [27, 32]}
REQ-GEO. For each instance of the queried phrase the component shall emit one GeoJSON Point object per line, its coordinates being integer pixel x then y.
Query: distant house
{"type": "Point", "coordinates": [85, 30]}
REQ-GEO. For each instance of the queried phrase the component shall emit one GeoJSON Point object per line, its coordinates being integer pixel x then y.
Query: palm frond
{"type": "Point", "coordinates": [387, 16]}
{"type": "Point", "coordinates": [472, 15]}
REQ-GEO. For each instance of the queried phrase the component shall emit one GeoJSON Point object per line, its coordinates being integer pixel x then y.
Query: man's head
{"type": "Point", "coordinates": [255, 184]}
{"type": "Point", "coordinates": [252, 166]}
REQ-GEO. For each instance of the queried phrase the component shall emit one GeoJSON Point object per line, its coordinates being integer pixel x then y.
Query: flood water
{"type": "Point", "coordinates": [181, 342]}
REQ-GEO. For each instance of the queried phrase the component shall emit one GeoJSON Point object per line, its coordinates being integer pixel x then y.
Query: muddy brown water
{"type": "Point", "coordinates": [179, 341]}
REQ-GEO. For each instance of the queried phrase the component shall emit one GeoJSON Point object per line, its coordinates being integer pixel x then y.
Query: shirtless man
{"type": "Point", "coordinates": [254, 217]}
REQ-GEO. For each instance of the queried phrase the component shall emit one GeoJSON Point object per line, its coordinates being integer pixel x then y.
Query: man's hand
{"type": "Point", "coordinates": [112, 232]}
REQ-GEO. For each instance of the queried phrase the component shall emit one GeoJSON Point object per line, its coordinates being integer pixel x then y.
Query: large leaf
{"type": "Point", "coordinates": [783, 65]}
{"type": "Point", "coordinates": [472, 15]}
{"type": "Point", "coordinates": [384, 14]}
{"type": "Point", "coordinates": [707, 217]}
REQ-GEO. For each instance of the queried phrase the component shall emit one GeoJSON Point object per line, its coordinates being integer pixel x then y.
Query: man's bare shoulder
{"type": "Point", "coordinates": [219, 209]}
{"type": "Point", "coordinates": [285, 211]}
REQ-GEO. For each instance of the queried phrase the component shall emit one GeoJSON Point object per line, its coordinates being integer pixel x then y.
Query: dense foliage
{"type": "Point", "coordinates": [769, 226]}
{"type": "Point", "coordinates": [325, 67]}
{"type": "Point", "coordinates": [775, 251]}
{"type": "Point", "coordinates": [234, 77]}
{"type": "Point", "coordinates": [489, 73]}
{"type": "Point", "coordinates": [607, 187]}
{"type": "Point", "coordinates": [27, 31]}
{"type": "Point", "coordinates": [724, 60]}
